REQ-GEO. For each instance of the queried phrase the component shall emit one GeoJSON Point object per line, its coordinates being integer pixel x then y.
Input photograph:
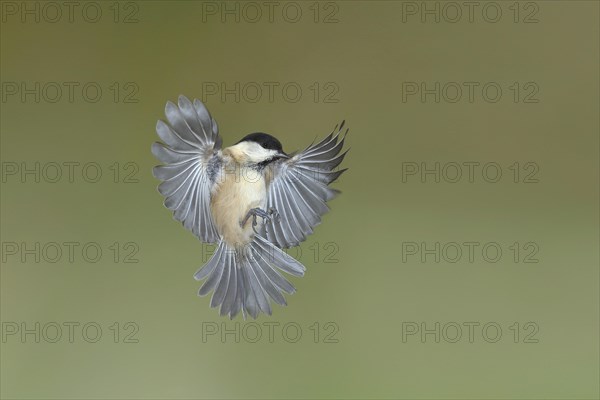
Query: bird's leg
{"type": "Point", "coordinates": [257, 212]}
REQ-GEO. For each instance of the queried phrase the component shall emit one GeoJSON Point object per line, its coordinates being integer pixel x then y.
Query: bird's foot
{"type": "Point", "coordinates": [258, 212]}
{"type": "Point", "coordinates": [275, 214]}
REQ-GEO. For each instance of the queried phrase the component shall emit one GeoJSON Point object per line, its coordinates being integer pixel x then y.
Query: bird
{"type": "Point", "coordinates": [251, 200]}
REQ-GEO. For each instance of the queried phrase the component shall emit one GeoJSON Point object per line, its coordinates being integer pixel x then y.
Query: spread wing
{"type": "Point", "coordinates": [192, 161]}
{"type": "Point", "coordinates": [300, 190]}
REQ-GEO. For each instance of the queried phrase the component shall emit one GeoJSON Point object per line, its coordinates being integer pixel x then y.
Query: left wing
{"type": "Point", "coordinates": [299, 190]}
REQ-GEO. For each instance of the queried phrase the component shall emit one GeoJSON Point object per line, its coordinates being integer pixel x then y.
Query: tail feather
{"type": "Point", "coordinates": [245, 280]}
{"type": "Point", "coordinates": [282, 260]}
{"type": "Point", "coordinates": [209, 267]}
{"type": "Point", "coordinates": [276, 278]}
{"type": "Point", "coordinates": [267, 285]}
{"type": "Point", "coordinates": [219, 293]}
{"type": "Point", "coordinates": [259, 292]}
{"type": "Point", "coordinates": [237, 304]}
{"type": "Point", "coordinates": [215, 273]}
{"type": "Point", "coordinates": [231, 294]}
{"type": "Point", "coordinates": [251, 298]}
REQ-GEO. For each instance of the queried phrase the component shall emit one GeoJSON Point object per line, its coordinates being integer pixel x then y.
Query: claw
{"type": "Point", "coordinates": [273, 212]}
{"type": "Point", "coordinates": [257, 212]}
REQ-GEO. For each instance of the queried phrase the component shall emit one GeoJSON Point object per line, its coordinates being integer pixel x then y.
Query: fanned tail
{"type": "Point", "coordinates": [243, 279]}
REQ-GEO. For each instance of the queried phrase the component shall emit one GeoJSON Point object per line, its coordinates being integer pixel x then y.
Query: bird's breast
{"type": "Point", "coordinates": [239, 190]}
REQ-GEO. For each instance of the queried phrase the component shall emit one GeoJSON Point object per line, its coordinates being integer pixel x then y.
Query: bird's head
{"type": "Point", "coordinates": [257, 149]}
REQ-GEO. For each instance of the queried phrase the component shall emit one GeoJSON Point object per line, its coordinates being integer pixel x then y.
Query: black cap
{"type": "Point", "coordinates": [265, 140]}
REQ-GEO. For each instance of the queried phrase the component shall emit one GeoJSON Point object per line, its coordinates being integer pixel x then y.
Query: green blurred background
{"type": "Point", "coordinates": [176, 48]}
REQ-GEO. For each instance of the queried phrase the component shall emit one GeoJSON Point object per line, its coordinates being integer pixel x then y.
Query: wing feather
{"type": "Point", "coordinates": [192, 158]}
{"type": "Point", "coordinates": [300, 189]}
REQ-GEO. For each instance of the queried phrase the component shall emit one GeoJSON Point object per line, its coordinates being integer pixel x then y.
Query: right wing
{"type": "Point", "coordinates": [192, 163]}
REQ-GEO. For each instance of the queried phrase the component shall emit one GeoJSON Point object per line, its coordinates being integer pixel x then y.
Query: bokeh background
{"type": "Point", "coordinates": [176, 48]}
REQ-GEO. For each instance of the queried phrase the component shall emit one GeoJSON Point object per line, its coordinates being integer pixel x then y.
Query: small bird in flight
{"type": "Point", "coordinates": [251, 199]}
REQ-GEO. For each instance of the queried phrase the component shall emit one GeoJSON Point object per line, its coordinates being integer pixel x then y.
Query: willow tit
{"type": "Point", "coordinates": [251, 199]}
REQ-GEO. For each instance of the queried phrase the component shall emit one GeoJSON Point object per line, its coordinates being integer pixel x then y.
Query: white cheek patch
{"type": "Point", "coordinates": [255, 152]}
